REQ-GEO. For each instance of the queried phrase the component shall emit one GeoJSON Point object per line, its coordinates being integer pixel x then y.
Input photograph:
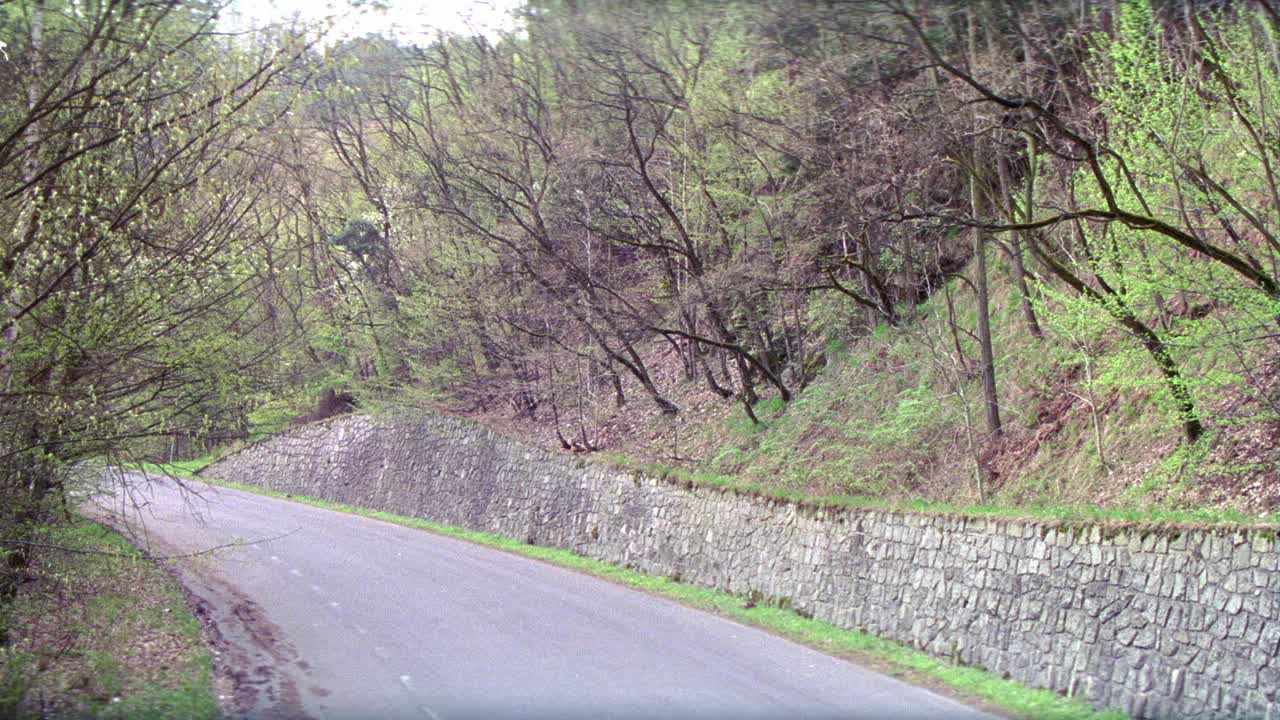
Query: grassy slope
{"type": "Point", "coordinates": [99, 631]}
{"type": "Point", "coordinates": [888, 419]}
{"type": "Point", "coordinates": [896, 416]}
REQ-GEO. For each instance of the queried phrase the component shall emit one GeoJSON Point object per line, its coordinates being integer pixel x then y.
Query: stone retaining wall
{"type": "Point", "coordinates": [1159, 622]}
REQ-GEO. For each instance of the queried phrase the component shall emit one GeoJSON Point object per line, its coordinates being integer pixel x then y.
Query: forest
{"type": "Point", "coordinates": [1015, 253]}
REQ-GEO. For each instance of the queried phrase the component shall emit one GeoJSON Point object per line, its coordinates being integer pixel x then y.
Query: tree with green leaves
{"type": "Point", "coordinates": [1152, 194]}
{"type": "Point", "coordinates": [129, 199]}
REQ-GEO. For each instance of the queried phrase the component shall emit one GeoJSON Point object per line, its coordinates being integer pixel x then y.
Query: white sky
{"type": "Point", "coordinates": [414, 21]}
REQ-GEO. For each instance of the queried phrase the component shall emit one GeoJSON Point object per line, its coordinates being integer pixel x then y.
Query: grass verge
{"type": "Point", "coordinates": [1046, 512]}
{"type": "Point", "coordinates": [98, 631]}
{"type": "Point", "coordinates": [181, 468]}
{"type": "Point", "coordinates": [966, 683]}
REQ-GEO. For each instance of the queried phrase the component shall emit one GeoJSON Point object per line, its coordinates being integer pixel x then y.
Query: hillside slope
{"type": "Point", "coordinates": [897, 415]}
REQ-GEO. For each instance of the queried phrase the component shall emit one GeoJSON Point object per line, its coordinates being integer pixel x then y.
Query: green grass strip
{"type": "Point", "coordinates": [1050, 513]}
{"type": "Point", "coordinates": [967, 683]}
{"type": "Point", "coordinates": [181, 468]}
{"type": "Point", "coordinates": [92, 617]}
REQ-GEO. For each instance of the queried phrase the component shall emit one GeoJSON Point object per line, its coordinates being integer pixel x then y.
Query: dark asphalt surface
{"type": "Point", "coordinates": [329, 615]}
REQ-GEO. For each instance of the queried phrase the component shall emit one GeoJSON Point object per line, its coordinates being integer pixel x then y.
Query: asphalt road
{"type": "Point", "coordinates": [328, 615]}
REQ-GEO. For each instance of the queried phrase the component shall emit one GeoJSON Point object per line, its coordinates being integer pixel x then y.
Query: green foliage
{"type": "Point", "coordinates": [1171, 151]}
{"type": "Point", "coordinates": [854, 430]}
{"type": "Point", "coordinates": [361, 239]}
{"type": "Point", "coordinates": [14, 673]}
{"type": "Point", "coordinates": [272, 417]}
{"type": "Point", "coordinates": [141, 279]}
{"type": "Point", "coordinates": [915, 409]}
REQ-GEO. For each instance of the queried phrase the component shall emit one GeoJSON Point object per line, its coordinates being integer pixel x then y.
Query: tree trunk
{"type": "Point", "coordinates": [987, 367]}
{"type": "Point", "coordinates": [1015, 242]}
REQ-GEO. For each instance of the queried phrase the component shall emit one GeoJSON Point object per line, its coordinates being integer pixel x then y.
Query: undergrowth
{"type": "Point", "coordinates": [897, 415]}
{"type": "Point", "coordinates": [99, 631]}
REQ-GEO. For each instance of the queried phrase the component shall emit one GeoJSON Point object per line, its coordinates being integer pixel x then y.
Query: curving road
{"type": "Point", "coordinates": [322, 614]}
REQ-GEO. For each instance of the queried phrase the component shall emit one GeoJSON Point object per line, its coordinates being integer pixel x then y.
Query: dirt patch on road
{"type": "Point", "coordinates": [253, 665]}
{"type": "Point", "coordinates": [249, 652]}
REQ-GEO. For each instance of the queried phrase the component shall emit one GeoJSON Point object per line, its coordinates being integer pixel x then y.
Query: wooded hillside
{"type": "Point", "coordinates": [1013, 252]}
